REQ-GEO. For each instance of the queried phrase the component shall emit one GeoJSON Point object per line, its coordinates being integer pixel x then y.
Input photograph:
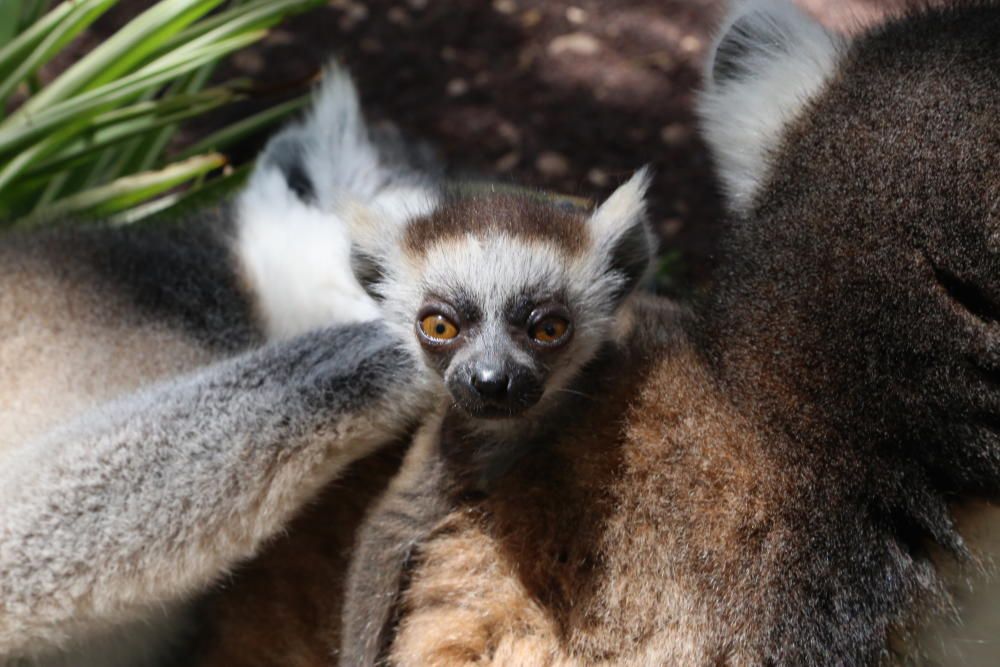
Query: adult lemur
{"type": "Point", "coordinates": [772, 479]}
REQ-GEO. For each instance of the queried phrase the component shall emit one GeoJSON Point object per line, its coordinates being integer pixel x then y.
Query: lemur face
{"type": "Point", "coordinates": [497, 356]}
{"type": "Point", "coordinates": [509, 296]}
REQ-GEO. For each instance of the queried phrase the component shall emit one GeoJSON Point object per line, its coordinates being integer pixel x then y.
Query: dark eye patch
{"type": "Point", "coordinates": [519, 307]}
{"type": "Point", "coordinates": [463, 304]}
{"type": "Point", "coordinates": [468, 309]}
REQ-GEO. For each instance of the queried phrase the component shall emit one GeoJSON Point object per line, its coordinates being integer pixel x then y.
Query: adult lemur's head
{"type": "Point", "coordinates": [507, 294]}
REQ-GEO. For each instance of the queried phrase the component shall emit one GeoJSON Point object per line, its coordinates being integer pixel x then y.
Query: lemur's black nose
{"type": "Point", "coordinates": [491, 383]}
{"type": "Point", "coordinates": [492, 390]}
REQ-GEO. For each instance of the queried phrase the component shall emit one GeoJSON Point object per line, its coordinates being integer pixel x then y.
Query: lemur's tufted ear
{"type": "Point", "coordinates": [373, 239]}
{"type": "Point", "coordinates": [621, 232]}
{"type": "Point", "coordinates": [768, 62]}
{"type": "Point", "coordinates": [375, 228]}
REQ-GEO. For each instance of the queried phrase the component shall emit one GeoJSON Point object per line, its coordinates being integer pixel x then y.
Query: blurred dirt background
{"type": "Point", "coordinates": [569, 95]}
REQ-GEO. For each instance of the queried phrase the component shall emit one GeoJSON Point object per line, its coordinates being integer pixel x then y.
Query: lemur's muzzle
{"type": "Point", "coordinates": [492, 390]}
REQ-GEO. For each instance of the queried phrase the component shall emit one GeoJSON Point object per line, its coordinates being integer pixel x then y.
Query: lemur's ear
{"type": "Point", "coordinates": [368, 269]}
{"type": "Point", "coordinates": [372, 239]}
{"type": "Point", "coordinates": [376, 226]}
{"type": "Point", "coordinates": [621, 232]}
{"type": "Point", "coordinates": [768, 62]}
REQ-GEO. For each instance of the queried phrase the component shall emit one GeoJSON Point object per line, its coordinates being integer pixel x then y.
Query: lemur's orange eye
{"type": "Point", "coordinates": [438, 328]}
{"type": "Point", "coordinates": [549, 330]}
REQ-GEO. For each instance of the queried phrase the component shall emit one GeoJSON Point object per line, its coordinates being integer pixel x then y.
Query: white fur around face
{"type": "Point", "coordinates": [784, 60]}
{"type": "Point", "coordinates": [490, 270]}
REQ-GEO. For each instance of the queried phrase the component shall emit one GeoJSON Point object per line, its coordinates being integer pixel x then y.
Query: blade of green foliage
{"type": "Point", "coordinates": [17, 200]}
{"type": "Point", "coordinates": [15, 135]}
{"type": "Point", "coordinates": [31, 11]}
{"type": "Point", "coordinates": [16, 50]}
{"type": "Point", "coordinates": [101, 139]}
{"type": "Point", "coordinates": [126, 192]}
{"type": "Point", "coordinates": [92, 141]}
{"type": "Point", "coordinates": [41, 149]}
{"type": "Point", "coordinates": [126, 49]}
{"type": "Point", "coordinates": [10, 19]}
{"type": "Point", "coordinates": [149, 149]}
{"type": "Point", "coordinates": [241, 18]}
{"type": "Point", "coordinates": [231, 90]}
{"type": "Point", "coordinates": [96, 154]}
{"type": "Point", "coordinates": [73, 24]}
{"type": "Point", "coordinates": [56, 185]}
{"type": "Point", "coordinates": [179, 203]}
{"type": "Point", "coordinates": [252, 15]}
{"type": "Point", "coordinates": [108, 165]}
{"type": "Point", "coordinates": [248, 127]}
{"type": "Point", "coordinates": [145, 210]}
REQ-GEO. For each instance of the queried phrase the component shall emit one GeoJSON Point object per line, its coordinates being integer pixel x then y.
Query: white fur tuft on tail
{"type": "Point", "coordinates": [292, 238]}
{"type": "Point", "coordinates": [768, 62]}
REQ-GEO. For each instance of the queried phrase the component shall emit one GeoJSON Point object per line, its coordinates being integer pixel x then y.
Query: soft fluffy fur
{"type": "Point", "coordinates": [498, 258]}
{"type": "Point", "coordinates": [488, 250]}
{"type": "Point", "coordinates": [769, 61]}
{"type": "Point", "coordinates": [150, 438]}
{"type": "Point", "coordinates": [776, 478]}
{"type": "Point", "coordinates": [291, 235]}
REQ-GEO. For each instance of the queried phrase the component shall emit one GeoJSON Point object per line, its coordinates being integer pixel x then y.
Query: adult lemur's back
{"type": "Point", "coordinates": [857, 315]}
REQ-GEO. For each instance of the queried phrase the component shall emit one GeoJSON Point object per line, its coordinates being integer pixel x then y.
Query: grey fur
{"type": "Point", "coordinates": [148, 441]}
{"type": "Point", "coordinates": [387, 545]}
{"type": "Point", "coordinates": [192, 471]}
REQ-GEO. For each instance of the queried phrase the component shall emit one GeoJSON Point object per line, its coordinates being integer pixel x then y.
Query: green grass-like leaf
{"type": "Point", "coordinates": [17, 49]}
{"type": "Point", "coordinates": [248, 127]}
{"type": "Point", "coordinates": [97, 139]}
{"type": "Point", "coordinates": [63, 32]}
{"type": "Point", "coordinates": [126, 192]}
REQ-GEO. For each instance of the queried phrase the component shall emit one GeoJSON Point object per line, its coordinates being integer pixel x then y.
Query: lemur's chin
{"type": "Point", "coordinates": [491, 412]}
{"type": "Point", "coordinates": [476, 407]}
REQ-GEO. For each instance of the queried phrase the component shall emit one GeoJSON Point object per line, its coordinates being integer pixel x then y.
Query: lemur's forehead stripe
{"type": "Point", "coordinates": [506, 214]}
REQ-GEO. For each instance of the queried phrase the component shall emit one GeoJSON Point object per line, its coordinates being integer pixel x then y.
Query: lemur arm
{"type": "Point", "coordinates": [387, 542]}
{"type": "Point", "coordinates": [151, 498]}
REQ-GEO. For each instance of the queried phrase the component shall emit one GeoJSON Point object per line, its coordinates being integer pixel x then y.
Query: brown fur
{"type": "Point", "coordinates": [615, 546]}
{"type": "Point", "coordinates": [514, 215]}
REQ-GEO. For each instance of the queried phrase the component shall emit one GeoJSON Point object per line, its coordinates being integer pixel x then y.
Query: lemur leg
{"type": "Point", "coordinates": [467, 607]}
{"type": "Point", "coordinates": [387, 544]}
{"type": "Point", "coordinates": [149, 499]}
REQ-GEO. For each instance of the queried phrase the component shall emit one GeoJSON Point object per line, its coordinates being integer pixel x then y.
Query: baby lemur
{"type": "Point", "coordinates": [518, 304]}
